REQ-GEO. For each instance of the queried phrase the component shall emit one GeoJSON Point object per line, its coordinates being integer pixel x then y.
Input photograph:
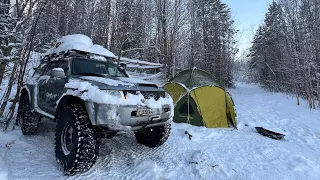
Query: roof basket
{"type": "Point", "coordinates": [72, 53]}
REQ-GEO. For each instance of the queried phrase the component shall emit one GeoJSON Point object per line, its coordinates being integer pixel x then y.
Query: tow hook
{"type": "Point", "coordinates": [152, 118]}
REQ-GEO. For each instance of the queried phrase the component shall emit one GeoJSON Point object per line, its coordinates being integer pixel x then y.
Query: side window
{"type": "Point", "coordinates": [41, 69]}
{"type": "Point", "coordinates": [56, 64]}
{"type": "Point", "coordinates": [47, 69]}
{"type": "Point", "coordinates": [64, 66]}
{"type": "Point", "coordinates": [112, 71]}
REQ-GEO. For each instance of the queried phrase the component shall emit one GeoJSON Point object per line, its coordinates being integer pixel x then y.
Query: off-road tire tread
{"type": "Point", "coordinates": [87, 146]}
{"type": "Point", "coordinates": [159, 136]}
{"type": "Point", "coordinates": [30, 120]}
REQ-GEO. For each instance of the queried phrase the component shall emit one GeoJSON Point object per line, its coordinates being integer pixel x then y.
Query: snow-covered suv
{"type": "Point", "coordinates": [90, 97]}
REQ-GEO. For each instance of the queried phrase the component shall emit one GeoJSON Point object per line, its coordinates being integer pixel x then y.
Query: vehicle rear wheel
{"type": "Point", "coordinates": [153, 136]}
{"type": "Point", "coordinates": [76, 144]}
{"type": "Point", "coordinates": [28, 120]}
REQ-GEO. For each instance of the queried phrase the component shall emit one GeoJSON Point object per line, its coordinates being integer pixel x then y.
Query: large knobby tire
{"type": "Point", "coordinates": [76, 144]}
{"type": "Point", "coordinates": [28, 120]}
{"type": "Point", "coordinates": [153, 136]}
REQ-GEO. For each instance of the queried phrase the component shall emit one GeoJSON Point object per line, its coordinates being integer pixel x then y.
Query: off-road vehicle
{"type": "Point", "coordinates": [91, 98]}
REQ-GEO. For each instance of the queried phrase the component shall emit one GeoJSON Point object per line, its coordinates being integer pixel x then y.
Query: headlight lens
{"type": "Point", "coordinates": [116, 93]}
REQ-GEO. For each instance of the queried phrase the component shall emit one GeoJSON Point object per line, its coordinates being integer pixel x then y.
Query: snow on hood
{"type": "Point", "coordinates": [79, 42]}
{"type": "Point", "coordinates": [87, 91]}
{"type": "Point", "coordinates": [134, 80]}
{"type": "Point", "coordinates": [107, 81]}
{"type": "Point", "coordinates": [117, 82]}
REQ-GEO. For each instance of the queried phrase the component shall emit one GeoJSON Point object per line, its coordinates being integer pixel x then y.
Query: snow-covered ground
{"type": "Point", "coordinates": [210, 154]}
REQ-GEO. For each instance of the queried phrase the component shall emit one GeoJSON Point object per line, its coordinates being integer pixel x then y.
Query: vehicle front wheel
{"type": "Point", "coordinates": [153, 136]}
{"type": "Point", "coordinates": [76, 144]}
{"type": "Point", "coordinates": [28, 120]}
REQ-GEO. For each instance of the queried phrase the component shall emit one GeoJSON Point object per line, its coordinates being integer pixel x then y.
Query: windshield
{"type": "Point", "coordinates": [95, 68]}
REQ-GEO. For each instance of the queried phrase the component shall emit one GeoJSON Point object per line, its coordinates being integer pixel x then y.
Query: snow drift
{"type": "Point", "coordinates": [210, 154]}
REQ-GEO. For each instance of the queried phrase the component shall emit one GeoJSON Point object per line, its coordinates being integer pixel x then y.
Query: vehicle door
{"type": "Point", "coordinates": [51, 88]}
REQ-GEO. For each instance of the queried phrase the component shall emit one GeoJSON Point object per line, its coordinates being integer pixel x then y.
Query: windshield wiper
{"type": "Point", "coordinates": [90, 74]}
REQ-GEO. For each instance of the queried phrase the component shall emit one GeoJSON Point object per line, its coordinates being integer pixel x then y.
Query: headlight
{"type": "Point", "coordinates": [116, 93]}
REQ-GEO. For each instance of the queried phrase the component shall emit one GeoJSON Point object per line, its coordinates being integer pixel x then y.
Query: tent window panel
{"type": "Point", "coordinates": [184, 109]}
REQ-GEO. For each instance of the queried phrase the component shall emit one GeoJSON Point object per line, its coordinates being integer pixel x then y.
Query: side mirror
{"type": "Point", "coordinates": [58, 72]}
{"type": "Point", "coordinates": [123, 66]}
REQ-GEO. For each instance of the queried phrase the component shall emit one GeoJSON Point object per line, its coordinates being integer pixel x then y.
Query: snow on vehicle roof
{"type": "Point", "coordinates": [81, 43]}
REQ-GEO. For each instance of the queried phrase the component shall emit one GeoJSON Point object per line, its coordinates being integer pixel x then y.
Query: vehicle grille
{"type": "Point", "coordinates": [148, 95]}
{"type": "Point", "coordinates": [155, 95]}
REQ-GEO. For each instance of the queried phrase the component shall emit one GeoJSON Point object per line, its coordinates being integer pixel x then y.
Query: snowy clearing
{"type": "Point", "coordinates": [210, 154]}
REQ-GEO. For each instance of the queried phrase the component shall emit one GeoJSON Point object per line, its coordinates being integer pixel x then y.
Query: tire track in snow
{"type": "Point", "coordinates": [123, 158]}
{"type": "Point", "coordinates": [211, 154]}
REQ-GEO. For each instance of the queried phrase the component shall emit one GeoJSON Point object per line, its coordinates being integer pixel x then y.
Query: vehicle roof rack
{"type": "Point", "coordinates": [73, 53]}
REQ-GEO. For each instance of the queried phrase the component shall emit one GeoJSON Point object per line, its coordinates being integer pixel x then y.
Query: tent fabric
{"type": "Point", "coordinates": [231, 110]}
{"type": "Point", "coordinates": [200, 100]}
{"type": "Point", "coordinates": [176, 91]}
{"type": "Point", "coordinates": [212, 105]}
{"type": "Point", "coordinates": [181, 112]}
{"type": "Point", "coordinates": [193, 78]}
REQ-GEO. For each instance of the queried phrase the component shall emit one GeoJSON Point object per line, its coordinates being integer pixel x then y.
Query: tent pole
{"type": "Point", "coordinates": [188, 108]}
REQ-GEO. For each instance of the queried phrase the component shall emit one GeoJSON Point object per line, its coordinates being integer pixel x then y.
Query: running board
{"type": "Point", "coordinates": [40, 111]}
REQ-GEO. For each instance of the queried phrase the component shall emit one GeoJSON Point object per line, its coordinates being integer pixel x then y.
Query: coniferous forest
{"type": "Point", "coordinates": [285, 52]}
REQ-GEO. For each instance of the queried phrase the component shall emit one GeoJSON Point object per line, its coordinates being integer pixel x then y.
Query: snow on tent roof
{"type": "Point", "coordinates": [81, 43]}
{"type": "Point", "coordinates": [192, 78]}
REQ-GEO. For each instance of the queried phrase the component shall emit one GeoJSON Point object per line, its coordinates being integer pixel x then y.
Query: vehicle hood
{"type": "Point", "coordinates": [119, 83]}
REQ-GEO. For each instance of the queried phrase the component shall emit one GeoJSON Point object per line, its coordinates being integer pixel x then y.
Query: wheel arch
{"type": "Point", "coordinates": [25, 90]}
{"type": "Point", "coordinates": [65, 100]}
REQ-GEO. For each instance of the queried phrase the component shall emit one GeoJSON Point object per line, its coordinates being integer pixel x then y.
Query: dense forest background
{"type": "Point", "coordinates": [177, 33]}
{"type": "Point", "coordinates": [285, 54]}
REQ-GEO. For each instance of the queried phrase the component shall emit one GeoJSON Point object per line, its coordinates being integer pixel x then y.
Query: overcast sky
{"type": "Point", "coordinates": [248, 14]}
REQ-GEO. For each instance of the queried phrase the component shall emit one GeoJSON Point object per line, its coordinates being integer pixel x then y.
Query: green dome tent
{"type": "Point", "coordinates": [200, 100]}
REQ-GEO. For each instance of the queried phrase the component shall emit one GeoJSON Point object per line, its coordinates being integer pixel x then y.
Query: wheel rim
{"type": "Point", "coordinates": [147, 131]}
{"type": "Point", "coordinates": [66, 139]}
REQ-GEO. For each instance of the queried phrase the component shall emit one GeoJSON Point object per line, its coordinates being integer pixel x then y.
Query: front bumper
{"type": "Point", "coordinates": [119, 118]}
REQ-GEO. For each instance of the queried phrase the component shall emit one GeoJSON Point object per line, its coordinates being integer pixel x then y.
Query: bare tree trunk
{"type": "Point", "coordinates": [22, 71]}
{"type": "Point", "coordinates": [108, 10]}
{"type": "Point", "coordinates": [192, 34]}
{"type": "Point", "coordinates": [164, 34]}
{"type": "Point", "coordinates": [2, 69]}
{"type": "Point", "coordinates": [8, 92]}
{"type": "Point", "coordinates": [4, 9]}
{"type": "Point", "coordinates": [174, 35]}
